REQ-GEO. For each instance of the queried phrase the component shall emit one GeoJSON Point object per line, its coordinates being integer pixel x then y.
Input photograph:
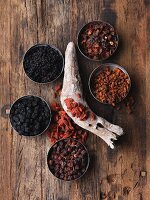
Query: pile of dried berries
{"type": "Point", "coordinates": [78, 110]}
{"type": "Point", "coordinates": [68, 159]}
{"type": "Point", "coordinates": [110, 85]}
{"type": "Point", "coordinates": [98, 40]}
{"type": "Point", "coordinates": [43, 63]}
{"type": "Point", "coordinates": [62, 126]}
{"type": "Point", "coordinates": [30, 115]}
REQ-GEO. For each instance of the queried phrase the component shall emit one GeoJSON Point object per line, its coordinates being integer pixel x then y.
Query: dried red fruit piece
{"type": "Point", "coordinates": [77, 109]}
{"type": "Point", "coordinates": [98, 40]}
{"type": "Point", "coordinates": [62, 126]}
{"type": "Point", "coordinates": [110, 85]}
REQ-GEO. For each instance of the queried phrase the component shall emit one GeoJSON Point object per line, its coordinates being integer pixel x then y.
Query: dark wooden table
{"type": "Point", "coordinates": [23, 169]}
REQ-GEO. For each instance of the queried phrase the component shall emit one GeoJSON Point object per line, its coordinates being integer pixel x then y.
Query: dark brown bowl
{"type": "Point", "coordinates": [96, 71]}
{"type": "Point", "coordinates": [83, 30]}
{"type": "Point", "coordinates": [88, 158]}
{"type": "Point", "coordinates": [42, 45]}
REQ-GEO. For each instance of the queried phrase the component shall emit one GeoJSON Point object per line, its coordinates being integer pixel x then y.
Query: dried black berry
{"type": "Point", "coordinates": [43, 63]}
{"type": "Point", "coordinates": [26, 115]}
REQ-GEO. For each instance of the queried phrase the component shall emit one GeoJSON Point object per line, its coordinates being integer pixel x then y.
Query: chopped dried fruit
{"type": "Point", "coordinates": [62, 126]}
{"type": "Point", "coordinates": [77, 109]}
{"type": "Point", "coordinates": [68, 159]}
{"type": "Point", "coordinates": [98, 40]}
{"type": "Point", "coordinates": [110, 85]}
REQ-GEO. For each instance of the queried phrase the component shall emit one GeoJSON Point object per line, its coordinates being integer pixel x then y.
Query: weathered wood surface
{"type": "Point", "coordinates": [23, 169]}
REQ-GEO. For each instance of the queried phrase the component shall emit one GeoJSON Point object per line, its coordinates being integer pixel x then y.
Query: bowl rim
{"type": "Point", "coordinates": [46, 126]}
{"type": "Point", "coordinates": [101, 67]}
{"type": "Point", "coordinates": [43, 44]}
{"type": "Point", "coordinates": [84, 26]}
{"type": "Point", "coordinates": [88, 158]}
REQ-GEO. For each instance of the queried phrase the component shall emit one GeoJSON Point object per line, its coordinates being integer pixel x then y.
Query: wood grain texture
{"type": "Point", "coordinates": [23, 169]}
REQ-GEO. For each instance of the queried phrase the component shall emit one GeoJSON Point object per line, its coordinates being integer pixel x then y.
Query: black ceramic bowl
{"type": "Point", "coordinates": [102, 41]}
{"type": "Point", "coordinates": [43, 63]}
{"type": "Point", "coordinates": [54, 147]}
{"type": "Point", "coordinates": [30, 115]}
{"type": "Point", "coordinates": [97, 71]}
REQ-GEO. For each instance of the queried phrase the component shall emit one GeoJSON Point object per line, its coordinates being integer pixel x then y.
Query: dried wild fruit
{"type": "Point", "coordinates": [77, 109]}
{"type": "Point", "coordinates": [30, 115]}
{"type": "Point", "coordinates": [62, 126]}
{"type": "Point", "coordinates": [68, 159]}
{"type": "Point", "coordinates": [98, 40]}
{"type": "Point", "coordinates": [110, 85]}
{"type": "Point", "coordinates": [43, 63]}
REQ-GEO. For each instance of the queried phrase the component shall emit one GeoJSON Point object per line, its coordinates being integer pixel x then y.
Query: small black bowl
{"type": "Point", "coordinates": [43, 63]}
{"type": "Point", "coordinates": [84, 28]}
{"type": "Point", "coordinates": [30, 115]}
{"type": "Point", "coordinates": [97, 71]}
{"type": "Point", "coordinates": [54, 147]}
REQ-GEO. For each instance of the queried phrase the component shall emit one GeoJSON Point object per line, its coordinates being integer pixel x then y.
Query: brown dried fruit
{"type": "Point", "coordinates": [68, 159]}
{"type": "Point", "coordinates": [110, 86]}
{"type": "Point", "coordinates": [77, 109]}
{"type": "Point", "coordinates": [98, 41]}
{"type": "Point", "coordinates": [63, 127]}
